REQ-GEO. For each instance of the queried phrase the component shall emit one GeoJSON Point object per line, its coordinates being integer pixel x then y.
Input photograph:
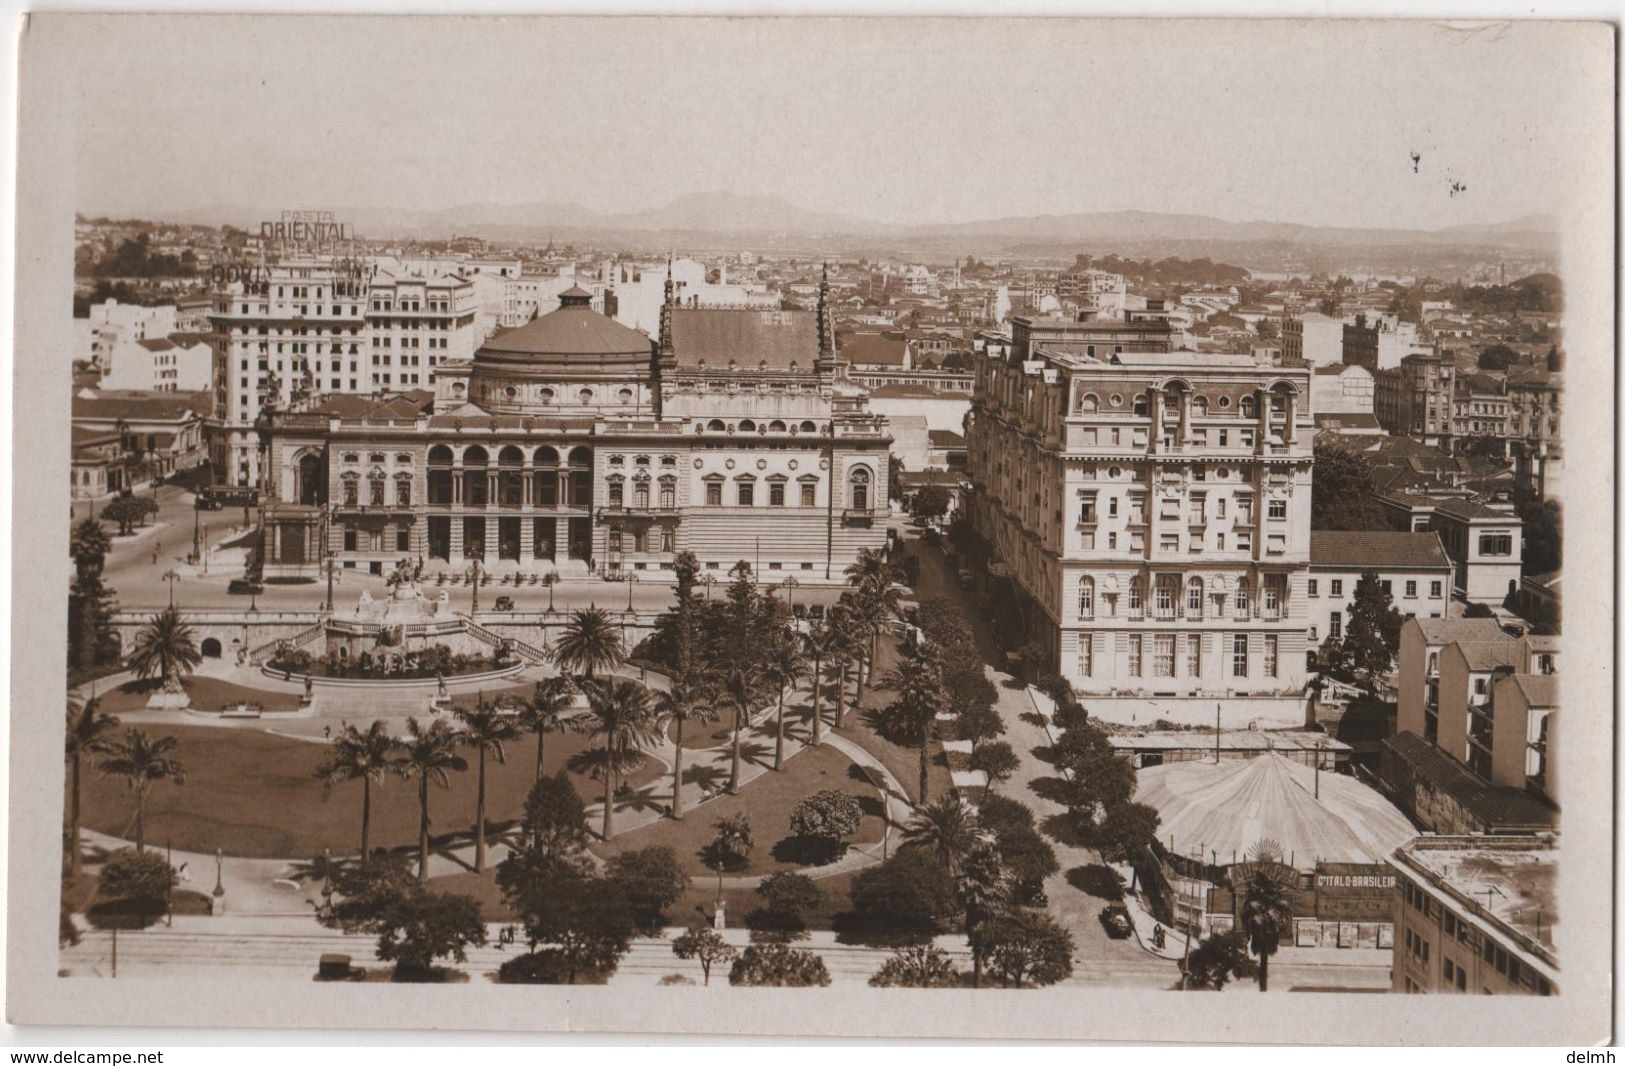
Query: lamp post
{"type": "Point", "coordinates": [197, 550]}
{"type": "Point", "coordinates": [475, 607]}
{"type": "Point", "coordinates": [791, 584]}
{"type": "Point", "coordinates": [171, 576]}
{"type": "Point", "coordinates": [709, 581]}
{"type": "Point", "coordinates": [204, 551]}
{"type": "Point", "coordinates": [219, 885]}
{"type": "Point", "coordinates": [332, 564]}
{"type": "Point", "coordinates": [631, 579]}
{"type": "Point", "coordinates": [169, 893]}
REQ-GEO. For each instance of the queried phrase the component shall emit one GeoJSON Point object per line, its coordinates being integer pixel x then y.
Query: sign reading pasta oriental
{"type": "Point", "coordinates": [311, 228]}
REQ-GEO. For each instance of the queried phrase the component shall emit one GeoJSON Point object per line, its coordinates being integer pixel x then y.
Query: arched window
{"type": "Point", "coordinates": [668, 493]}
{"type": "Point", "coordinates": [1142, 406]}
{"type": "Point", "coordinates": [1089, 403]}
{"type": "Point", "coordinates": [545, 395]}
{"type": "Point", "coordinates": [1086, 598]}
{"type": "Point", "coordinates": [585, 396]}
{"type": "Point", "coordinates": [1193, 599]}
{"type": "Point", "coordinates": [1136, 598]}
{"type": "Point", "coordinates": [808, 427]}
{"type": "Point", "coordinates": [1433, 663]}
{"type": "Point", "coordinates": [1199, 405]}
{"type": "Point", "coordinates": [1244, 598]}
{"type": "Point", "coordinates": [747, 426]}
{"type": "Point", "coordinates": [715, 425]}
{"type": "Point", "coordinates": [1249, 408]}
{"type": "Point", "coordinates": [625, 395]}
{"type": "Point", "coordinates": [775, 426]}
{"type": "Point", "coordinates": [858, 486]}
{"type": "Point", "coordinates": [547, 456]}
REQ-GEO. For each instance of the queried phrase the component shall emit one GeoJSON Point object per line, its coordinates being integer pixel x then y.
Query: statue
{"type": "Point", "coordinates": [309, 688]}
{"type": "Point", "coordinates": [440, 683]}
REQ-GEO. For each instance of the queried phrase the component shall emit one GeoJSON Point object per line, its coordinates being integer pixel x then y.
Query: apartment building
{"type": "Point", "coordinates": [1416, 398]}
{"type": "Point", "coordinates": [1474, 915]}
{"type": "Point", "coordinates": [1411, 567]}
{"type": "Point", "coordinates": [1154, 504]}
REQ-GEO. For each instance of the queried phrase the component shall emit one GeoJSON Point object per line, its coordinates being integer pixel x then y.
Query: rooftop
{"type": "Point", "coordinates": [1453, 630]}
{"type": "Point", "coordinates": [1482, 655]}
{"type": "Point", "coordinates": [1539, 690]}
{"type": "Point", "coordinates": [1511, 880]}
{"type": "Point", "coordinates": [573, 329]}
{"type": "Point", "coordinates": [1376, 550]}
{"type": "Point", "coordinates": [1496, 806]}
{"type": "Point", "coordinates": [1228, 740]}
{"type": "Point", "coordinates": [744, 338]}
{"type": "Point", "coordinates": [135, 406]}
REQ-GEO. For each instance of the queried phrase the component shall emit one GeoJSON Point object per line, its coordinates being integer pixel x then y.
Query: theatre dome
{"type": "Point", "coordinates": [572, 336]}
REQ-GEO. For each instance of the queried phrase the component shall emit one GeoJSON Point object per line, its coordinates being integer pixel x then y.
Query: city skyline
{"type": "Point", "coordinates": [623, 117]}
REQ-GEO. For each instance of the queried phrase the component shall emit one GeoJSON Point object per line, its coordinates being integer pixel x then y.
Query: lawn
{"type": "Point", "coordinates": [256, 795]}
{"type": "Point", "coordinates": [207, 694]}
{"type": "Point", "coordinates": [767, 800]}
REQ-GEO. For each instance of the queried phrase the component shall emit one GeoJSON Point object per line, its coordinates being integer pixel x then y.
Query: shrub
{"type": "Point", "coordinates": [919, 966]}
{"type": "Point", "coordinates": [908, 898]}
{"type": "Point", "coordinates": [823, 820]}
{"type": "Point", "coordinates": [546, 967]}
{"type": "Point", "coordinates": [652, 881]}
{"type": "Point", "coordinates": [778, 966]}
{"type": "Point", "coordinates": [787, 897]}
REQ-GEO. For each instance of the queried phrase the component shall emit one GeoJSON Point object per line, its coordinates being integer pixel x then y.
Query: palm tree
{"type": "Point", "coordinates": [917, 680]}
{"type": "Point", "coordinates": [947, 828]}
{"type": "Point", "coordinates": [620, 719]}
{"type": "Point", "coordinates": [589, 642]}
{"type": "Point", "coordinates": [680, 705]}
{"type": "Point", "coordinates": [785, 666]}
{"type": "Point", "coordinates": [846, 646]}
{"type": "Point", "coordinates": [360, 756]}
{"type": "Point", "coordinates": [738, 691]}
{"type": "Point", "coordinates": [551, 710]}
{"type": "Point", "coordinates": [486, 728]}
{"type": "Point", "coordinates": [165, 647]}
{"type": "Point", "coordinates": [871, 578]}
{"type": "Point", "coordinates": [428, 754]}
{"type": "Point", "coordinates": [87, 734]}
{"type": "Point", "coordinates": [732, 843]}
{"type": "Point", "coordinates": [1266, 913]}
{"type": "Point", "coordinates": [821, 646]}
{"type": "Point", "coordinates": [143, 763]}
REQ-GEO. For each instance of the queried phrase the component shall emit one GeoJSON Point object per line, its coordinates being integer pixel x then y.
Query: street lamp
{"type": "Point", "coordinates": [171, 576]}
{"type": "Point", "coordinates": [197, 551]}
{"type": "Point", "coordinates": [631, 579]}
{"type": "Point", "coordinates": [709, 581]}
{"type": "Point", "coordinates": [791, 584]}
{"type": "Point", "coordinates": [475, 607]}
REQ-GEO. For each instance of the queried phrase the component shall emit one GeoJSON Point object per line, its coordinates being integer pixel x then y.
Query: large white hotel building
{"type": "Point", "coordinates": [1154, 505]}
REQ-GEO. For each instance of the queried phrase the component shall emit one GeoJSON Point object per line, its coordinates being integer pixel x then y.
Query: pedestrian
{"type": "Point", "coordinates": [327, 732]}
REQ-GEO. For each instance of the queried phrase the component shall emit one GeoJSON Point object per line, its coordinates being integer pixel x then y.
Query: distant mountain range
{"type": "Point", "coordinates": [722, 220]}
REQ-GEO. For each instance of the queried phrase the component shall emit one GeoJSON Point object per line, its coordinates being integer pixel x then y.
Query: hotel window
{"type": "Point", "coordinates": [1271, 654]}
{"type": "Point", "coordinates": [1410, 590]}
{"type": "Point", "coordinates": [1111, 506]}
{"type": "Point", "coordinates": [1167, 594]}
{"type": "Point", "coordinates": [351, 493]}
{"type": "Point", "coordinates": [1169, 542]}
{"type": "Point", "coordinates": [403, 492]}
{"type": "Point", "coordinates": [1274, 595]}
{"type": "Point", "coordinates": [1277, 508]}
{"type": "Point", "coordinates": [640, 495]}
{"type": "Point", "coordinates": [1135, 651]}
{"type": "Point", "coordinates": [617, 493]}
{"type": "Point", "coordinates": [1136, 542]}
{"type": "Point", "coordinates": [713, 493]}
{"type": "Point", "coordinates": [1193, 599]}
{"type": "Point", "coordinates": [858, 486]}
{"type": "Point", "coordinates": [668, 539]}
{"type": "Point", "coordinates": [1220, 510]}
{"type": "Point", "coordinates": [1276, 543]}
{"type": "Point", "coordinates": [1136, 601]}
{"type": "Point", "coordinates": [775, 493]}
{"type": "Point", "coordinates": [1199, 509]}
{"type": "Point", "coordinates": [1244, 598]}
{"type": "Point", "coordinates": [1238, 656]}
{"type": "Point", "coordinates": [1086, 509]}
{"type": "Point", "coordinates": [668, 493]}
{"type": "Point", "coordinates": [1086, 598]}
{"type": "Point", "coordinates": [1244, 508]}
{"type": "Point", "coordinates": [1193, 654]}
{"type": "Point", "coordinates": [1136, 511]}
{"type": "Point", "coordinates": [1086, 655]}
{"type": "Point", "coordinates": [747, 493]}
{"type": "Point", "coordinates": [614, 540]}
{"type": "Point", "coordinates": [1162, 662]}
{"type": "Point", "coordinates": [808, 492]}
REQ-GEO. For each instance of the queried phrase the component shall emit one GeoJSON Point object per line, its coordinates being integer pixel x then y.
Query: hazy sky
{"type": "Point", "coordinates": [894, 121]}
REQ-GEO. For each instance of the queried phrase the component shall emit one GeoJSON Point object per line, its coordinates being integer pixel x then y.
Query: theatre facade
{"type": "Point", "coordinates": [576, 445]}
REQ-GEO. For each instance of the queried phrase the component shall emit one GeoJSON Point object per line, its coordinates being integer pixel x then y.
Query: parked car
{"type": "Point", "coordinates": [1116, 921]}
{"type": "Point", "coordinates": [244, 587]}
{"type": "Point", "coordinates": [504, 603]}
{"type": "Point", "coordinates": [207, 503]}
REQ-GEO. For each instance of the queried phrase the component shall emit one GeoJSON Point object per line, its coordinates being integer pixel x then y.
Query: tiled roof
{"type": "Point", "coordinates": [1482, 655]}
{"type": "Point", "coordinates": [570, 330]}
{"type": "Point", "coordinates": [400, 407]}
{"type": "Point", "coordinates": [1468, 509]}
{"type": "Point", "coordinates": [1494, 805]}
{"type": "Point", "coordinates": [1539, 690]}
{"type": "Point", "coordinates": [141, 406]}
{"type": "Point", "coordinates": [157, 345]}
{"type": "Point", "coordinates": [945, 438]}
{"type": "Point", "coordinates": [1452, 630]}
{"type": "Point", "coordinates": [744, 337]}
{"type": "Point", "coordinates": [1348, 420]}
{"type": "Point", "coordinates": [1376, 550]}
{"type": "Point", "coordinates": [873, 349]}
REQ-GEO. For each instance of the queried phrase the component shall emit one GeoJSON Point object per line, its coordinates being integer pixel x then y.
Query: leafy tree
{"type": "Point", "coordinates": [917, 966]}
{"type": "Point", "coordinates": [1542, 535]}
{"type": "Point", "coordinates": [978, 724]}
{"type": "Point", "coordinates": [739, 690]}
{"type": "Point", "coordinates": [143, 763]}
{"type": "Point", "coordinates": [787, 897]}
{"type": "Point", "coordinates": [706, 945]}
{"type": "Point", "coordinates": [1101, 778]}
{"type": "Point", "coordinates": [908, 898]}
{"type": "Point", "coordinates": [555, 820]}
{"type": "Point", "coordinates": [551, 710]}
{"type": "Point", "coordinates": [1027, 859]}
{"type": "Point", "coordinates": [1128, 832]}
{"type": "Point", "coordinates": [983, 892]}
{"type": "Point", "coordinates": [589, 643]}
{"type": "Point", "coordinates": [428, 755]}
{"type": "Point", "coordinates": [420, 927]}
{"type": "Point", "coordinates": [487, 729]}
{"type": "Point", "coordinates": [1370, 641]}
{"type": "Point", "coordinates": [622, 722]}
{"type": "Point", "coordinates": [932, 501]}
{"type": "Point", "coordinates": [129, 511]}
{"type": "Point", "coordinates": [1026, 948]}
{"type": "Point", "coordinates": [824, 820]}
{"type": "Point", "coordinates": [89, 732]}
{"type": "Point", "coordinates": [165, 647]}
{"type": "Point", "coordinates": [651, 881]}
{"type": "Point", "coordinates": [946, 829]}
{"type": "Point", "coordinates": [364, 756]}
{"type": "Point", "coordinates": [1266, 915]}
{"type": "Point", "coordinates": [1497, 357]}
{"type": "Point", "coordinates": [586, 920]}
{"type": "Point", "coordinates": [363, 893]}
{"type": "Point", "coordinates": [778, 966]}
{"type": "Point", "coordinates": [1001, 814]}
{"type": "Point", "coordinates": [1213, 962]}
{"type": "Point", "coordinates": [132, 889]}
{"type": "Point", "coordinates": [1342, 498]}
{"type": "Point", "coordinates": [731, 846]}
{"type": "Point", "coordinates": [997, 760]}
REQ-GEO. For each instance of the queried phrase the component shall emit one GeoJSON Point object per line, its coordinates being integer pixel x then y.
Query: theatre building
{"type": "Point", "coordinates": [576, 444]}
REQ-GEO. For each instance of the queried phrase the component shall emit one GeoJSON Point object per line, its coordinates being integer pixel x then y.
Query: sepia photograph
{"type": "Point", "coordinates": [976, 527]}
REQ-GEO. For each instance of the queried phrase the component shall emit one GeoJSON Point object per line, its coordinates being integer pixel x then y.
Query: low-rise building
{"type": "Point", "coordinates": [1412, 568]}
{"type": "Point", "coordinates": [1475, 915]}
{"type": "Point", "coordinates": [1313, 337]}
{"type": "Point", "coordinates": [160, 432]}
{"type": "Point", "coordinates": [1340, 389]}
{"type": "Point", "coordinates": [1484, 541]}
{"type": "Point", "coordinates": [157, 365]}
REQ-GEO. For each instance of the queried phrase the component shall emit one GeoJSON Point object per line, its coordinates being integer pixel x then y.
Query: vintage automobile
{"type": "Point", "coordinates": [243, 587]}
{"type": "Point", "coordinates": [504, 603]}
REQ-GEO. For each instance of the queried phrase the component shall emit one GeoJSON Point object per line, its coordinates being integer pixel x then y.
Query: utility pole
{"type": "Point", "coordinates": [1218, 722]}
